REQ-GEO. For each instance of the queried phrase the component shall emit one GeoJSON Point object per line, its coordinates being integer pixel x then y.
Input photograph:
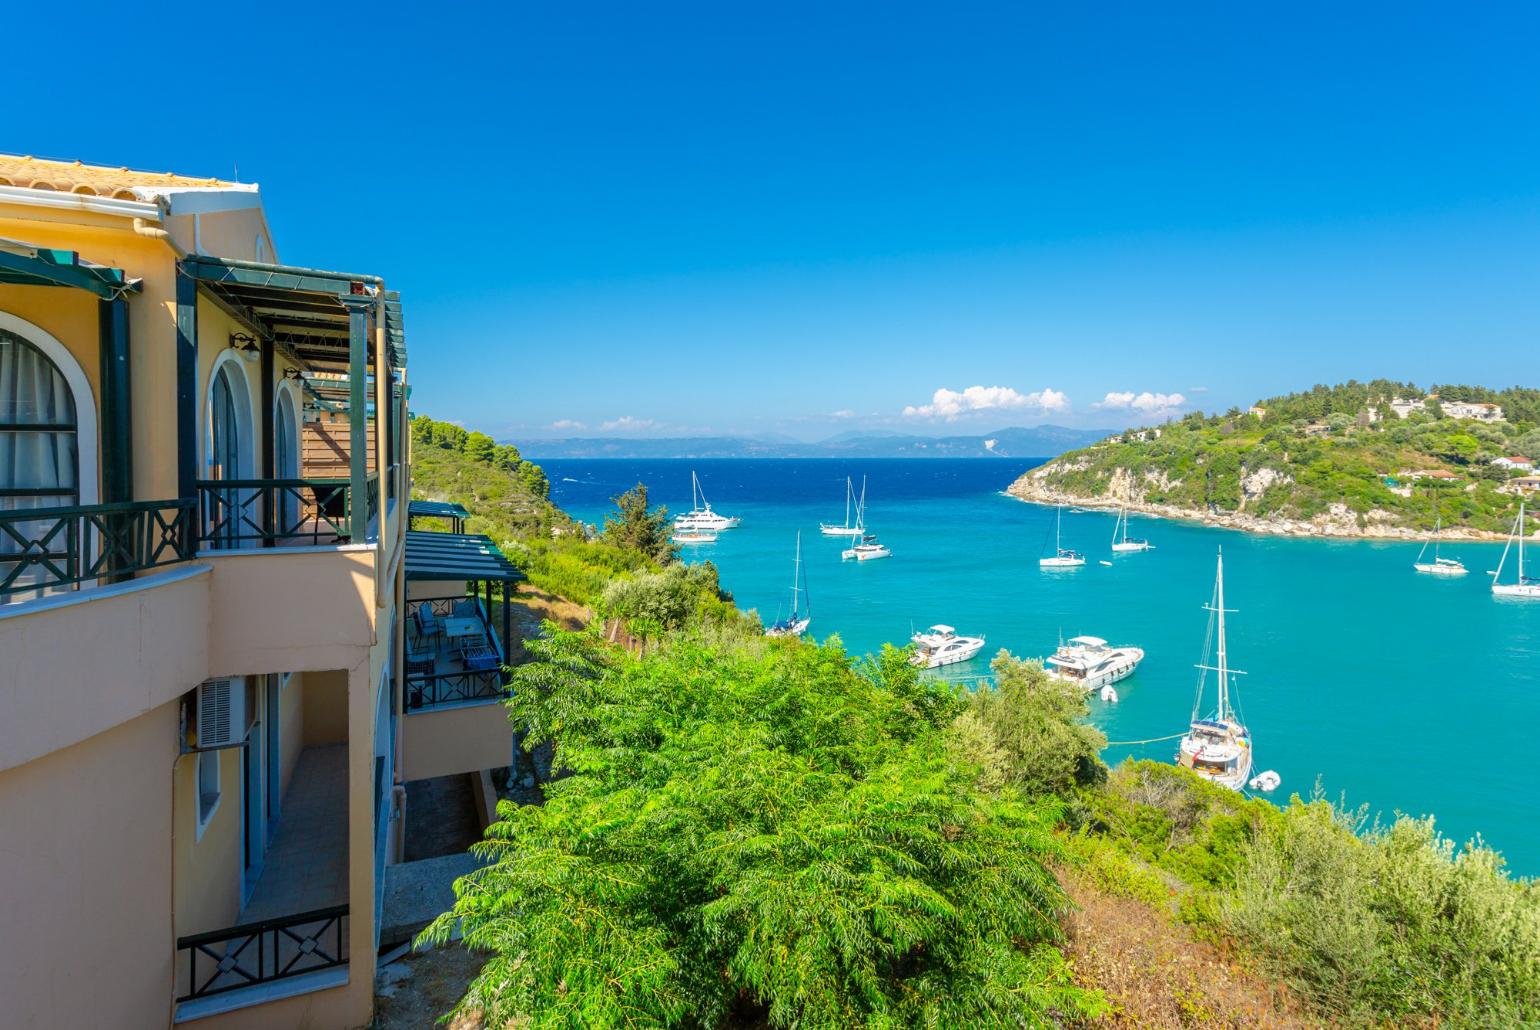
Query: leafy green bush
{"type": "Point", "coordinates": [775, 833]}
{"type": "Point", "coordinates": [1392, 924]}
{"type": "Point", "coordinates": [1036, 725]}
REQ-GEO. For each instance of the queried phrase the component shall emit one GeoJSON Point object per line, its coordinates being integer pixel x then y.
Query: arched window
{"type": "Point", "coordinates": [39, 451]}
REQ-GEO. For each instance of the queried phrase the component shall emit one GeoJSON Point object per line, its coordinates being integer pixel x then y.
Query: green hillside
{"type": "Point", "coordinates": [1298, 456]}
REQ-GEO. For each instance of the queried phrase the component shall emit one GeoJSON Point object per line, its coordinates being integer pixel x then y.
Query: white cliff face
{"type": "Point", "coordinates": [1258, 482]}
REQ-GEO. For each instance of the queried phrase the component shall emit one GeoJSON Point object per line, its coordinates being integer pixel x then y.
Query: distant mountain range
{"type": "Point", "coordinates": [1037, 442]}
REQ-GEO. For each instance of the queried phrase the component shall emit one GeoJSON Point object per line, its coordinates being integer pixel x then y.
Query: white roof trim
{"type": "Point", "coordinates": [61, 201]}
{"type": "Point", "coordinates": [202, 200]}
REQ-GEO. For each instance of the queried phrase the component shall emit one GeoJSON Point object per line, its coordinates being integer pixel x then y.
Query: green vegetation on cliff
{"type": "Point", "coordinates": [1308, 452]}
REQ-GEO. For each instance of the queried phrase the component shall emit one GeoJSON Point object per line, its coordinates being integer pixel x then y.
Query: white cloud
{"type": "Point", "coordinates": [627, 424]}
{"type": "Point", "coordinates": [950, 404]}
{"type": "Point", "coordinates": [1197, 389]}
{"type": "Point", "coordinates": [567, 423]}
{"type": "Point", "coordinates": [842, 413]}
{"type": "Point", "coordinates": [1153, 404]}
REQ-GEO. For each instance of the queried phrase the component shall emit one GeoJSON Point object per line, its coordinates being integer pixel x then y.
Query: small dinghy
{"type": "Point", "coordinates": [1109, 695]}
{"type": "Point", "coordinates": [1267, 781]}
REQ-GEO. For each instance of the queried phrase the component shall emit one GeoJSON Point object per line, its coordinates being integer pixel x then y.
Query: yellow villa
{"type": "Point", "coordinates": [225, 650]}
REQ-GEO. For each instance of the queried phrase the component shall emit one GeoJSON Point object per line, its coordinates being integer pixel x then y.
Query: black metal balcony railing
{"type": "Point", "coordinates": [261, 952]}
{"type": "Point", "coordinates": [436, 672]}
{"type": "Point", "coordinates": [263, 512]}
{"type": "Point", "coordinates": [48, 548]}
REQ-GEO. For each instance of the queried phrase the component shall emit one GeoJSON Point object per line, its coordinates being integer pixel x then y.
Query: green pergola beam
{"type": "Point", "coordinates": [24, 265]}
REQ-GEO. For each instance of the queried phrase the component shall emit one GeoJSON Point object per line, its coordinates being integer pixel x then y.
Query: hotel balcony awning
{"type": "Point", "coordinates": [302, 309]}
{"type": "Point", "coordinates": [468, 556]}
{"type": "Point", "coordinates": [437, 510]}
{"type": "Point", "coordinates": [23, 264]}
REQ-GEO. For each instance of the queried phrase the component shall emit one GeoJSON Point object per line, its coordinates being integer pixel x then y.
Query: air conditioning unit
{"type": "Point", "coordinates": [218, 718]}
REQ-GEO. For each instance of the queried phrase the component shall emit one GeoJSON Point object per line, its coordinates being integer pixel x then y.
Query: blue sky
{"type": "Point", "coordinates": [806, 219]}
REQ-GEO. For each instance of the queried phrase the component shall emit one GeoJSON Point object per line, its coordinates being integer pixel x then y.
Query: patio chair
{"type": "Point", "coordinates": [427, 623]}
{"type": "Point", "coordinates": [465, 608]}
{"type": "Point", "coordinates": [419, 660]}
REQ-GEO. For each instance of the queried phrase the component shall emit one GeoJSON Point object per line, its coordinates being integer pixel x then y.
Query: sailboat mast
{"type": "Point", "coordinates": [849, 489]}
{"type": "Point", "coordinates": [1224, 667]}
{"type": "Point", "coordinates": [796, 576]}
{"type": "Point", "coordinates": [1521, 543]}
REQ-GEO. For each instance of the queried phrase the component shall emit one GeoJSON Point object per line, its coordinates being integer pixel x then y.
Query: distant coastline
{"type": "Point", "coordinates": [1338, 522]}
{"type": "Point", "coordinates": [1043, 442]}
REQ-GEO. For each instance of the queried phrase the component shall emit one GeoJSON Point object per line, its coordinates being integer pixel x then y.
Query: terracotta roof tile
{"type": "Point", "coordinates": [94, 180]}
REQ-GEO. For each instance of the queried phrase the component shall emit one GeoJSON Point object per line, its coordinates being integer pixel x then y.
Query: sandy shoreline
{"type": "Point", "coordinates": [1339, 523]}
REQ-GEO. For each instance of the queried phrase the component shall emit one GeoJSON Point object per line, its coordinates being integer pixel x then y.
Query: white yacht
{"type": "Point", "coordinates": [1218, 748]}
{"type": "Point", "coordinates": [795, 624]}
{"type": "Point", "coordinates": [1126, 544]}
{"type": "Point", "coordinates": [1438, 566]}
{"type": "Point", "coordinates": [849, 529]}
{"type": "Point", "coordinates": [693, 536]}
{"type": "Point", "coordinates": [700, 515]}
{"type": "Point", "coordinates": [1526, 587]}
{"type": "Point", "coordinates": [1091, 663]}
{"type": "Point", "coordinates": [1063, 558]}
{"type": "Point", "coordinates": [940, 645]}
{"type": "Point", "coordinates": [868, 549]}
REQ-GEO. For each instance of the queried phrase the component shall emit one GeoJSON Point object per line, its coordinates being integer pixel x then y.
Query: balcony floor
{"type": "Point", "coordinates": [307, 861]}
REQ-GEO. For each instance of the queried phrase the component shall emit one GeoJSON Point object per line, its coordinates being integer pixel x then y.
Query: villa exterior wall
{"type": "Point", "coordinates": [85, 890]}
{"type": "Point", "coordinates": [113, 865]}
{"type": "Point", "coordinates": [447, 741]}
{"type": "Point", "coordinates": [84, 663]}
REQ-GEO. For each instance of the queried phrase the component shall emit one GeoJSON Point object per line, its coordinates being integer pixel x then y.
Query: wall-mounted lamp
{"type": "Point", "coordinates": [293, 373]}
{"type": "Point", "coordinates": [246, 345]}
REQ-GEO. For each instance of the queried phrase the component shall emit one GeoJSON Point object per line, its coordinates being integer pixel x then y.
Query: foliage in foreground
{"type": "Point", "coordinates": [768, 832]}
{"type": "Point", "coordinates": [1370, 924]}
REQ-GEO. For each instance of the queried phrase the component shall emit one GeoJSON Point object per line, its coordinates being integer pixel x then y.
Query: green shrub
{"type": "Point", "coordinates": [772, 832]}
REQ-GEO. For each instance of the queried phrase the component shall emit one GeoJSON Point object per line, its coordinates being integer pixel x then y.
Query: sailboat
{"type": "Point", "coordinates": [1217, 748]}
{"type": "Point", "coordinates": [847, 529]}
{"type": "Point", "coordinates": [1062, 557]}
{"type": "Point", "coordinates": [1125, 545]}
{"type": "Point", "coordinates": [1526, 587]}
{"type": "Point", "coordinates": [700, 515]}
{"type": "Point", "coordinates": [1438, 566]}
{"type": "Point", "coordinates": [797, 622]}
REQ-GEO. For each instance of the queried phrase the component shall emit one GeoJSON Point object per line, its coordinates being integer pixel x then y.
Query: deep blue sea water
{"type": "Point", "coordinates": [1407, 692]}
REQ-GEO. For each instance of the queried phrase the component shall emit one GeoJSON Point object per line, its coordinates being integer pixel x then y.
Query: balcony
{"type": "Point", "coordinates": [48, 550]}
{"type": "Point", "coordinates": [453, 655]}
{"type": "Point", "coordinates": [243, 513]}
{"type": "Point", "coordinates": [292, 934]}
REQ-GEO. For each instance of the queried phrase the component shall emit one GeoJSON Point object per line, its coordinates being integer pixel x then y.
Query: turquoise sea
{"type": "Point", "coordinates": [1406, 692]}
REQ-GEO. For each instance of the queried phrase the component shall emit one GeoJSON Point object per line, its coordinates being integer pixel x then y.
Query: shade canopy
{"type": "Point", "coordinates": [437, 510]}
{"type": "Point", "coordinates": [23, 264]}
{"type": "Point", "coordinates": [303, 309]}
{"type": "Point", "coordinates": [468, 556]}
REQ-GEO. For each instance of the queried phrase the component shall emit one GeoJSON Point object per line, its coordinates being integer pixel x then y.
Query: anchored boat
{"type": "Point", "coordinates": [860, 508]}
{"type": "Point", "coordinates": [1063, 558]}
{"type": "Point", "coordinates": [941, 645]}
{"type": "Point", "coordinates": [700, 515]}
{"type": "Point", "coordinates": [868, 549]}
{"type": "Point", "coordinates": [1218, 748]}
{"type": "Point", "coordinates": [694, 536]}
{"type": "Point", "coordinates": [1127, 544]}
{"type": "Point", "coordinates": [798, 621]}
{"type": "Point", "coordinates": [1438, 566]}
{"type": "Point", "coordinates": [1090, 663]}
{"type": "Point", "coordinates": [1526, 588]}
